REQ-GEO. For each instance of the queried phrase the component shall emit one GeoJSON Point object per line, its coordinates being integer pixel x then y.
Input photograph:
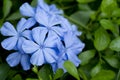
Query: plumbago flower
{"type": "Point", "coordinates": [16, 37]}
{"type": "Point", "coordinates": [46, 37]}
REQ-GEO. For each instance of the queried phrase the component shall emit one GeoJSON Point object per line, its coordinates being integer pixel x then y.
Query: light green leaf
{"type": "Point", "coordinates": [16, 15]}
{"type": "Point", "coordinates": [102, 39]}
{"type": "Point", "coordinates": [85, 1]}
{"type": "Point", "coordinates": [58, 74]}
{"type": "Point", "coordinates": [7, 4]}
{"type": "Point", "coordinates": [107, 24]}
{"type": "Point", "coordinates": [115, 44]}
{"type": "Point", "coordinates": [108, 6]}
{"type": "Point", "coordinates": [17, 77]}
{"type": "Point", "coordinates": [86, 56]}
{"type": "Point", "coordinates": [112, 61]}
{"type": "Point", "coordinates": [4, 69]}
{"type": "Point", "coordinates": [95, 70]}
{"type": "Point", "coordinates": [45, 72]}
{"type": "Point", "coordinates": [116, 13]}
{"type": "Point", "coordinates": [104, 75]}
{"type": "Point", "coordinates": [71, 69]}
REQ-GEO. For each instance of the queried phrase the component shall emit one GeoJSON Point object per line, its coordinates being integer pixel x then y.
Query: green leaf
{"type": "Point", "coordinates": [17, 77]}
{"type": "Point", "coordinates": [34, 2]}
{"type": "Point", "coordinates": [16, 15]}
{"type": "Point", "coordinates": [116, 13]}
{"type": "Point", "coordinates": [82, 74]}
{"type": "Point", "coordinates": [102, 39]}
{"type": "Point", "coordinates": [95, 70]}
{"type": "Point", "coordinates": [85, 1]}
{"type": "Point", "coordinates": [81, 18]}
{"type": "Point", "coordinates": [112, 61]}
{"type": "Point", "coordinates": [115, 44]}
{"type": "Point", "coordinates": [104, 75]}
{"type": "Point", "coordinates": [4, 69]}
{"type": "Point", "coordinates": [31, 79]}
{"type": "Point", "coordinates": [45, 72]}
{"type": "Point", "coordinates": [86, 56]}
{"type": "Point", "coordinates": [108, 6]}
{"type": "Point", "coordinates": [7, 4]}
{"type": "Point", "coordinates": [71, 69]}
{"type": "Point", "coordinates": [58, 74]}
{"type": "Point", "coordinates": [107, 24]}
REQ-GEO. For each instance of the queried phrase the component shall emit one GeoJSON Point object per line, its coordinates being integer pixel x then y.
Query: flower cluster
{"type": "Point", "coordinates": [45, 37]}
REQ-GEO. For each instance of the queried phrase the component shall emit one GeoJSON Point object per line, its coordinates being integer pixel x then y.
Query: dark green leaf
{"type": "Point", "coordinates": [4, 69]}
{"type": "Point", "coordinates": [45, 72]}
{"type": "Point", "coordinates": [112, 61]}
{"type": "Point", "coordinates": [115, 44]}
{"type": "Point", "coordinates": [107, 24]}
{"type": "Point", "coordinates": [85, 1]}
{"type": "Point", "coordinates": [104, 75]}
{"type": "Point", "coordinates": [17, 77]}
{"type": "Point", "coordinates": [7, 4]}
{"type": "Point", "coordinates": [71, 69]}
{"type": "Point", "coordinates": [86, 56]}
{"type": "Point", "coordinates": [34, 2]}
{"type": "Point", "coordinates": [16, 15]}
{"type": "Point", "coordinates": [58, 74]}
{"type": "Point", "coordinates": [102, 39]}
{"type": "Point", "coordinates": [96, 69]}
{"type": "Point", "coordinates": [31, 79]}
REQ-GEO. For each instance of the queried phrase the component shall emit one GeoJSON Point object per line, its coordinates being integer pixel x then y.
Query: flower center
{"type": "Point", "coordinates": [42, 46]}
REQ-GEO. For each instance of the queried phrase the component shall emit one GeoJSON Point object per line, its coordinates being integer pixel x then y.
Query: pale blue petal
{"type": "Point", "coordinates": [25, 61]}
{"type": "Point", "coordinates": [75, 31]}
{"type": "Point", "coordinates": [27, 10]}
{"type": "Point", "coordinates": [41, 17]}
{"type": "Point", "coordinates": [19, 43]}
{"type": "Point", "coordinates": [53, 21]}
{"type": "Point", "coordinates": [50, 55]}
{"type": "Point", "coordinates": [43, 5]}
{"type": "Point", "coordinates": [37, 58]}
{"type": "Point", "coordinates": [73, 58]}
{"type": "Point", "coordinates": [59, 31]}
{"type": "Point", "coordinates": [9, 43]}
{"type": "Point", "coordinates": [13, 59]}
{"type": "Point", "coordinates": [55, 10]}
{"type": "Point", "coordinates": [27, 34]}
{"type": "Point", "coordinates": [20, 24]}
{"type": "Point", "coordinates": [29, 23]}
{"type": "Point", "coordinates": [39, 34]}
{"type": "Point", "coordinates": [51, 40]}
{"type": "Point", "coordinates": [8, 29]}
{"type": "Point", "coordinates": [29, 46]}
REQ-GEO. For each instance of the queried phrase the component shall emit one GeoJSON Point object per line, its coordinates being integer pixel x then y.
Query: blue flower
{"type": "Point", "coordinates": [50, 9]}
{"type": "Point", "coordinates": [14, 35]}
{"type": "Point", "coordinates": [43, 47]}
{"type": "Point", "coordinates": [51, 23]}
{"type": "Point", "coordinates": [71, 48]}
{"type": "Point", "coordinates": [15, 58]}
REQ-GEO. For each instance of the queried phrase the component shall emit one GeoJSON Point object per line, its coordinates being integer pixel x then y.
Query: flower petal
{"type": "Point", "coordinates": [51, 40]}
{"type": "Point", "coordinates": [20, 24]}
{"type": "Point", "coordinates": [39, 34]}
{"type": "Point", "coordinates": [29, 23]}
{"type": "Point", "coordinates": [43, 5]}
{"type": "Point", "coordinates": [9, 43]}
{"type": "Point", "coordinates": [27, 10]}
{"type": "Point", "coordinates": [25, 61]}
{"type": "Point", "coordinates": [13, 59]}
{"type": "Point", "coordinates": [73, 58]}
{"type": "Point", "coordinates": [50, 55]}
{"type": "Point", "coordinates": [41, 17]}
{"type": "Point", "coordinates": [29, 46]}
{"type": "Point", "coordinates": [53, 20]}
{"type": "Point", "coordinates": [8, 29]}
{"type": "Point", "coordinates": [37, 58]}
{"type": "Point", "coordinates": [27, 34]}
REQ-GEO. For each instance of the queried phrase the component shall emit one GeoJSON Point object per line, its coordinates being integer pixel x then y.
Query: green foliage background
{"type": "Point", "coordinates": [99, 21]}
